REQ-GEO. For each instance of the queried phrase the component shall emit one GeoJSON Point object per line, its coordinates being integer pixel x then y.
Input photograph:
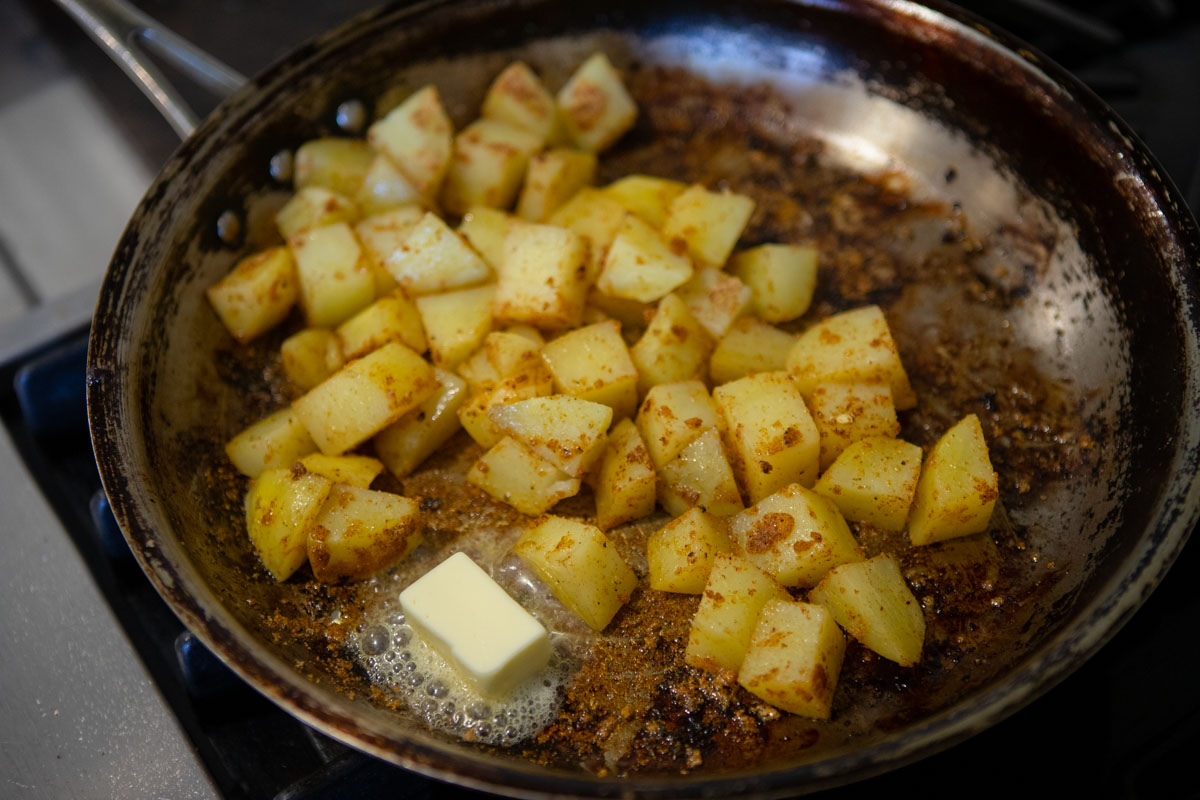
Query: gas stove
{"type": "Point", "coordinates": [108, 695]}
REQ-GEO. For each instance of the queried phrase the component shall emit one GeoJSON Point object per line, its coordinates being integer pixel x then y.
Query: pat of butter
{"type": "Point", "coordinates": [465, 616]}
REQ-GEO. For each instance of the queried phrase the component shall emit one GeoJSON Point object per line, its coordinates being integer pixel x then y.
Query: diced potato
{"type": "Point", "coordinates": [593, 363]}
{"type": "Point", "coordinates": [625, 481]}
{"type": "Point", "coordinates": [957, 489]}
{"type": "Point", "coordinates": [385, 187]}
{"type": "Point", "coordinates": [632, 314]}
{"type": "Point", "coordinates": [553, 178]}
{"type": "Point", "coordinates": [581, 567]}
{"type": "Point", "coordinates": [672, 416]}
{"type": "Point", "coordinates": [478, 372]}
{"type": "Point", "coordinates": [514, 474]}
{"type": "Point", "coordinates": [873, 603]}
{"type": "Point", "coordinates": [281, 505]}
{"type": "Point", "coordinates": [257, 295]}
{"type": "Point", "coordinates": [365, 397]}
{"type": "Point", "coordinates": [675, 347]}
{"type": "Point", "coordinates": [708, 223]}
{"type": "Point", "coordinates": [314, 207]}
{"type": "Point", "coordinates": [418, 137]}
{"type": "Point", "coordinates": [640, 265]}
{"type": "Point", "coordinates": [336, 279]}
{"type": "Point", "coordinates": [772, 438]}
{"type": "Point", "coordinates": [382, 235]}
{"type": "Point", "coordinates": [734, 595]}
{"type": "Point", "coordinates": [456, 322]}
{"type": "Point", "coordinates": [596, 107]}
{"type": "Point", "coordinates": [488, 164]}
{"type": "Point", "coordinates": [854, 346]}
{"type": "Point", "coordinates": [565, 431]}
{"type": "Point", "coordinates": [351, 470]}
{"type": "Point", "coordinates": [681, 553]}
{"type": "Point", "coordinates": [404, 444]}
{"type": "Point", "coordinates": [749, 347]}
{"type": "Point", "coordinates": [360, 532]}
{"type": "Point", "coordinates": [541, 279]}
{"type": "Point", "coordinates": [700, 476]}
{"type": "Point", "coordinates": [338, 164]}
{"type": "Point", "coordinates": [518, 98]}
{"type": "Point", "coordinates": [596, 218]}
{"type": "Point", "coordinates": [794, 658]}
{"type": "Point", "coordinates": [847, 412]}
{"type": "Point", "coordinates": [509, 353]}
{"type": "Point", "coordinates": [433, 258]}
{"type": "Point", "coordinates": [795, 535]}
{"type": "Point", "coordinates": [715, 299]}
{"type": "Point", "coordinates": [392, 318]}
{"type": "Point", "coordinates": [473, 414]}
{"type": "Point", "coordinates": [645, 195]}
{"type": "Point", "coordinates": [271, 443]}
{"type": "Point", "coordinates": [310, 356]}
{"type": "Point", "coordinates": [485, 229]}
{"type": "Point", "coordinates": [781, 277]}
{"type": "Point", "coordinates": [873, 481]}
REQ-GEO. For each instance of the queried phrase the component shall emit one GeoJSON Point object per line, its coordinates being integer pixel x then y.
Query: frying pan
{"type": "Point", "coordinates": [1108, 311]}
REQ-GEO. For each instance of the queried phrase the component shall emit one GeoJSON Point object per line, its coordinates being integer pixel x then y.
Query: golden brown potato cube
{"type": "Point", "coordinates": [593, 363]}
{"type": "Point", "coordinates": [681, 553]}
{"type": "Point", "coordinates": [772, 438]}
{"type": "Point", "coordinates": [873, 481]}
{"type": "Point", "coordinates": [958, 487]}
{"type": "Point", "coordinates": [408, 441]}
{"type": "Point", "coordinates": [645, 195]}
{"type": "Point", "coordinates": [392, 318]}
{"type": "Point", "coordinates": [536, 382]}
{"type": "Point", "coordinates": [749, 347]}
{"type": "Point", "coordinates": [675, 347]}
{"type": "Point", "coordinates": [336, 278]}
{"type": "Point", "coordinates": [485, 229]}
{"type": "Point", "coordinates": [360, 532]}
{"type": "Point", "coordinates": [553, 178]}
{"type": "Point", "coordinates": [707, 223]}
{"type": "Point", "coordinates": [595, 105]}
{"type": "Point", "coordinates": [734, 595]}
{"type": "Point", "coordinates": [488, 164]}
{"type": "Point", "coordinates": [314, 207]}
{"type": "Point", "coordinates": [418, 137]}
{"type": "Point", "coordinates": [385, 187]}
{"type": "Point", "coordinates": [513, 474]}
{"type": "Point", "coordinates": [632, 315]}
{"type": "Point", "coordinates": [568, 432]}
{"type": "Point", "coordinates": [478, 372]}
{"type": "Point", "coordinates": [596, 219]}
{"type": "Point", "coordinates": [257, 295]}
{"type": "Point", "coordinates": [795, 535]}
{"type": "Point", "coordinates": [364, 397]}
{"type": "Point", "coordinates": [336, 163]}
{"type": "Point", "coordinates": [382, 235]}
{"type": "Point", "coordinates": [672, 416]}
{"type": "Point", "coordinates": [456, 322]}
{"type": "Point", "coordinates": [847, 412]}
{"type": "Point", "coordinates": [310, 356]}
{"type": "Point", "coordinates": [510, 353]}
{"type": "Point", "coordinates": [640, 265]}
{"type": "Point", "coordinates": [541, 280]}
{"type": "Point", "coordinates": [715, 299]}
{"type": "Point", "coordinates": [854, 346]}
{"type": "Point", "coordinates": [433, 258]}
{"type": "Point", "coordinates": [781, 277]}
{"type": "Point", "coordinates": [700, 476]}
{"type": "Point", "coordinates": [281, 505]}
{"type": "Point", "coordinates": [581, 567]}
{"type": "Point", "coordinates": [271, 443]}
{"type": "Point", "coordinates": [873, 603]}
{"type": "Point", "coordinates": [518, 98]}
{"type": "Point", "coordinates": [351, 470]}
{"type": "Point", "coordinates": [794, 658]}
{"type": "Point", "coordinates": [625, 482]}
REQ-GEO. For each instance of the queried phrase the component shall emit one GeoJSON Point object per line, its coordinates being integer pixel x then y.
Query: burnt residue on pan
{"type": "Point", "coordinates": [634, 707]}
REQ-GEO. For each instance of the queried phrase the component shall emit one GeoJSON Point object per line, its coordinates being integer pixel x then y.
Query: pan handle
{"type": "Point", "coordinates": [128, 36]}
